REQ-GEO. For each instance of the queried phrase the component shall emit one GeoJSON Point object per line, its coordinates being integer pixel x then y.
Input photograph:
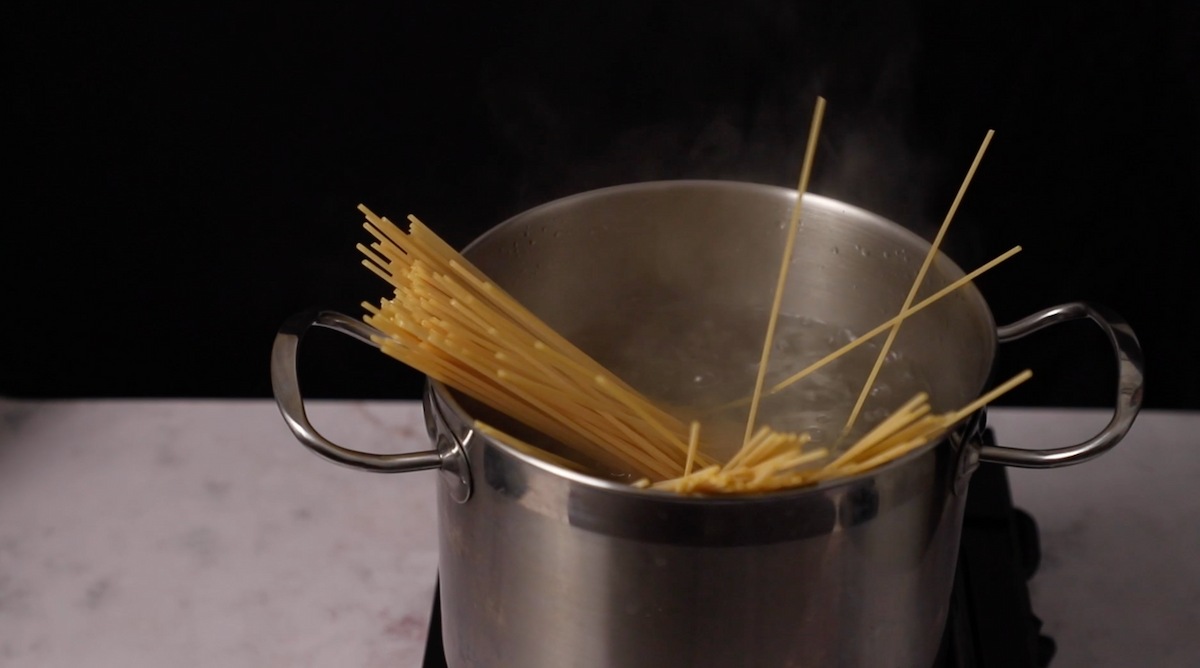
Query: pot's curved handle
{"type": "Point", "coordinates": [1130, 377]}
{"type": "Point", "coordinates": [285, 383]}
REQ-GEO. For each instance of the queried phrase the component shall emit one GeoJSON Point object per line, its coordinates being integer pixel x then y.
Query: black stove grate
{"type": "Point", "coordinates": [991, 622]}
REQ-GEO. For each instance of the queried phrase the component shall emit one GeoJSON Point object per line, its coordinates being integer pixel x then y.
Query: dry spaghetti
{"type": "Point", "coordinates": [449, 321]}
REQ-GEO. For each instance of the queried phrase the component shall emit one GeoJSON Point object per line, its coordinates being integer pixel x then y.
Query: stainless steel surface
{"type": "Point", "coordinates": [451, 442]}
{"type": "Point", "coordinates": [285, 384]}
{"type": "Point", "coordinates": [546, 567]}
{"type": "Point", "coordinates": [713, 247]}
{"type": "Point", "coordinates": [541, 566]}
{"type": "Point", "coordinates": [1130, 380]}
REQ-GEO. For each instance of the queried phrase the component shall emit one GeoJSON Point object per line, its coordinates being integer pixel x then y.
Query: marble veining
{"type": "Point", "coordinates": [200, 533]}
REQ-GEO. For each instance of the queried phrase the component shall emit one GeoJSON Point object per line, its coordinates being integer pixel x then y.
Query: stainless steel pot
{"type": "Point", "coordinates": [545, 567]}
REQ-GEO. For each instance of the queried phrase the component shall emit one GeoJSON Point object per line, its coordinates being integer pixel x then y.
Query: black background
{"type": "Point", "coordinates": [186, 179]}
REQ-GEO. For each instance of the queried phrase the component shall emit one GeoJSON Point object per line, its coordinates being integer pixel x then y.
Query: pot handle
{"type": "Point", "coordinates": [285, 384]}
{"type": "Point", "coordinates": [1130, 379]}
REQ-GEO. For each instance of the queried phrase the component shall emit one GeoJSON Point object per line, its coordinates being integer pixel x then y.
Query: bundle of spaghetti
{"type": "Point", "coordinates": [768, 461]}
{"type": "Point", "coordinates": [449, 321]}
{"type": "Point", "coordinates": [910, 427]}
{"type": "Point", "coordinates": [773, 460]}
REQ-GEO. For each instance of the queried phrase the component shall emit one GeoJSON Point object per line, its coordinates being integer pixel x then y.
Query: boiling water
{"type": "Point", "coordinates": [700, 361]}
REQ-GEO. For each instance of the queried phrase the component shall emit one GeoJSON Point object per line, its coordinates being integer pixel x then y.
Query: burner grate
{"type": "Point", "coordinates": [991, 622]}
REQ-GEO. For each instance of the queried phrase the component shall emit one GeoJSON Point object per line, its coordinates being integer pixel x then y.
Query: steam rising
{"type": "Point", "coordinates": [645, 91]}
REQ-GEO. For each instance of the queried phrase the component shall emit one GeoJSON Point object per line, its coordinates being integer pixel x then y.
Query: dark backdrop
{"type": "Point", "coordinates": [185, 179]}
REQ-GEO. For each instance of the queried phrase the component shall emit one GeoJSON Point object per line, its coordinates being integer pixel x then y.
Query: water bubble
{"type": "Point", "coordinates": [704, 378]}
{"type": "Point", "coordinates": [835, 250]}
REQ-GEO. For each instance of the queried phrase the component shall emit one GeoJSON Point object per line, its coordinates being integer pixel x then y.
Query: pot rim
{"type": "Point", "coordinates": [446, 395]}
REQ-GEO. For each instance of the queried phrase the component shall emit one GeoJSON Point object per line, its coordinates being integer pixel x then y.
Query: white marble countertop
{"type": "Point", "coordinates": [199, 533]}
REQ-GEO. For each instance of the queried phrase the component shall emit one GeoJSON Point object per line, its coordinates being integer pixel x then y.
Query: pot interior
{"type": "Point", "coordinates": [669, 285]}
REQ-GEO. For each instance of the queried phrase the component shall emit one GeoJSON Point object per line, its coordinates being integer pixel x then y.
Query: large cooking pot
{"type": "Point", "coordinates": [541, 566]}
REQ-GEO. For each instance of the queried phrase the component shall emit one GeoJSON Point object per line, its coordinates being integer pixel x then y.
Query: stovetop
{"type": "Point", "coordinates": [991, 622]}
